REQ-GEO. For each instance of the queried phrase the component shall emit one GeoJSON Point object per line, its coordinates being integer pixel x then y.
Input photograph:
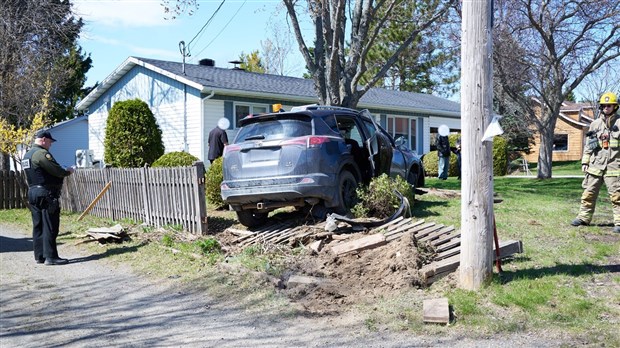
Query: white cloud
{"type": "Point", "coordinates": [137, 50]}
{"type": "Point", "coordinates": [125, 13]}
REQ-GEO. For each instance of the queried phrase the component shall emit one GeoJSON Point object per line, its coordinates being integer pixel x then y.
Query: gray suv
{"type": "Point", "coordinates": [311, 155]}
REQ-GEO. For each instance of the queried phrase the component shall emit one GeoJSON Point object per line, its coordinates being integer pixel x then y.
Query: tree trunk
{"type": "Point", "coordinates": [545, 153]}
{"type": "Point", "coordinates": [4, 161]}
{"type": "Point", "coordinates": [477, 163]}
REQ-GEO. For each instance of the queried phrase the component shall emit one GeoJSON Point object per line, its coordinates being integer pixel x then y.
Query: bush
{"type": "Point", "coordinates": [175, 159]}
{"type": "Point", "coordinates": [213, 182]}
{"type": "Point", "coordinates": [379, 199]}
{"type": "Point", "coordinates": [500, 158]}
{"type": "Point", "coordinates": [431, 160]}
{"type": "Point", "coordinates": [132, 137]}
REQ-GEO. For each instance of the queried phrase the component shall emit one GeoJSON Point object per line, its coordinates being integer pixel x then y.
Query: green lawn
{"type": "Point", "coordinates": [566, 279]}
{"type": "Point", "coordinates": [560, 168]}
{"type": "Point", "coordinates": [565, 284]}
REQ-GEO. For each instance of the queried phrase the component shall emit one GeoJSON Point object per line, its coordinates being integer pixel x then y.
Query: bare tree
{"type": "Point", "coordinates": [338, 61]}
{"type": "Point", "coordinates": [599, 82]}
{"type": "Point", "coordinates": [35, 38]}
{"type": "Point", "coordinates": [544, 51]}
{"type": "Point", "coordinates": [277, 49]}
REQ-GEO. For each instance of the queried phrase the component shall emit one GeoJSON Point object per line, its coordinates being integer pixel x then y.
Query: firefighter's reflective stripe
{"type": "Point", "coordinates": [585, 159]}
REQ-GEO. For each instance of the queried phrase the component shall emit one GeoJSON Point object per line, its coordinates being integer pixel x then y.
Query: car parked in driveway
{"type": "Point", "coordinates": [310, 156]}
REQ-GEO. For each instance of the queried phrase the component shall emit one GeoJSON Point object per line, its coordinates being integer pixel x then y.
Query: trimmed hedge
{"type": "Point", "coordinates": [175, 159]}
{"type": "Point", "coordinates": [132, 136]}
{"type": "Point", "coordinates": [214, 179]}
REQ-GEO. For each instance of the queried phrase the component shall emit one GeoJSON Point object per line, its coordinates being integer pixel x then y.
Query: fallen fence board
{"type": "Point", "coordinates": [433, 271]}
{"type": "Point", "coordinates": [436, 311]}
{"type": "Point", "coordinates": [372, 241]}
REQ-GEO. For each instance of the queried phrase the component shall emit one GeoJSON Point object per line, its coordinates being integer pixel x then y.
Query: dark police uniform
{"type": "Point", "coordinates": [45, 178]}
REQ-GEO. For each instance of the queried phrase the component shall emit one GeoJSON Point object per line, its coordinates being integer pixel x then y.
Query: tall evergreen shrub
{"type": "Point", "coordinates": [132, 137]}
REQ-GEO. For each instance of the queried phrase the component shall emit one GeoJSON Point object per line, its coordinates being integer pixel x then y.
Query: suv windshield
{"type": "Point", "coordinates": [273, 129]}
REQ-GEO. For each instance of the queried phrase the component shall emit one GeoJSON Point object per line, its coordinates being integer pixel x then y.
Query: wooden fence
{"type": "Point", "coordinates": [11, 196]}
{"type": "Point", "coordinates": [156, 196]}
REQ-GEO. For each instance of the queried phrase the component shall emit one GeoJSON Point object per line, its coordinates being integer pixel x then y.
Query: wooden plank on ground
{"type": "Point", "coordinates": [425, 232]}
{"type": "Point", "coordinates": [114, 229]}
{"type": "Point", "coordinates": [415, 228]}
{"type": "Point", "coordinates": [436, 235]}
{"type": "Point", "coordinates": [238, 232]}
{"type": "Point", "coordinates": [436, 310]}
{"type": "Point", "coordinates": [509, 248]}
{"type": "Point", "coordinates": [437, 269]}
{"type": "Point", "coordinates": [369, 242]}
{"type": "Point", "coordinates": [387, 225]}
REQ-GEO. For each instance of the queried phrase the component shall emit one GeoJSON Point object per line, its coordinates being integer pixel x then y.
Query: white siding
{"type": "Point", "coordinates": [179, 120]}
{"type": "Point", "coordinates": [213, 111]}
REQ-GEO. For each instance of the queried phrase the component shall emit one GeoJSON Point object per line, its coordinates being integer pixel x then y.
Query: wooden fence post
{"type": "Point", "coordinates": [144, 175]}
{"type": "Point", "coordinates": [199, 192]}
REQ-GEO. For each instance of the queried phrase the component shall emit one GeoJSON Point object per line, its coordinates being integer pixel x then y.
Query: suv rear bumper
{"type": "Point", "coordinates": [280, 190]}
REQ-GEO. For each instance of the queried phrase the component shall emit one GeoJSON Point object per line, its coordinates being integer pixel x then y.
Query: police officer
{"type": "Point", "coordinates": [601, 162]}
{"type": "Point", "coordinates": [45, 178]}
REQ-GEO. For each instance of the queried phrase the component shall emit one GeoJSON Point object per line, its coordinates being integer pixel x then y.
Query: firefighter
{"type": "Point", "coordinates": [601, 162]}
{"type": "Point", "coordinates": [45, 177]}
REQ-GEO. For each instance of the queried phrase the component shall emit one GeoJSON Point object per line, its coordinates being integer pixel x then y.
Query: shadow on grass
{"type": "Point", "coordinates": [217, 224]}
{"type": "Point", "coordinates": [571, 270]}
{"type": "Point", "coordinates": [112, 251]}
{"type": "Point", "coordinates": [422, 209]}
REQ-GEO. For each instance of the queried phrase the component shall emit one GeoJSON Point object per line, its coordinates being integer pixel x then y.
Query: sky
{"type": "Point", "coordinates": [117, 29]}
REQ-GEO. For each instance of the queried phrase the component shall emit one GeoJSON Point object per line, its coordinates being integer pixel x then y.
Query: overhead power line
{"type": "Point", "coordinates": [220, 32]}
{"type": "Point", "coordinates": [205, 25]}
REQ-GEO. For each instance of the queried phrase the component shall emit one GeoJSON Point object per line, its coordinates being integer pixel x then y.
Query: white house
{"type": "Point", "coordinates": [70, 135]}
{"type": "Point", "coordinates": [188, 99]}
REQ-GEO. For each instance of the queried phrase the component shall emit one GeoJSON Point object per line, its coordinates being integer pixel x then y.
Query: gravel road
{"type": "Point", "coordinates": [93, 303]}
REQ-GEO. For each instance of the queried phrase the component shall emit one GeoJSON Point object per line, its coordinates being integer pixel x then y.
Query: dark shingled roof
{"type": "Point", "coordinates": [239, 80]}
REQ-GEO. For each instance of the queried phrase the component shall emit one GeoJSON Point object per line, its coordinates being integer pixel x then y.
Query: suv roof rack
{"type": "Point", "coordinates": [319, 107]}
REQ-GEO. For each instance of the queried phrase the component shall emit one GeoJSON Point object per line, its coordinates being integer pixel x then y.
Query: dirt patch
{"type": "Point", "coordinates": [356, 277]}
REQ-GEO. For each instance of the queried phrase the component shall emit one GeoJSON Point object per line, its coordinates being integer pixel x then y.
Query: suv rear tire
{"type": "Point", "coordinates": [250, 218]}
{"type": "Point", "coordinates": [347, 186]}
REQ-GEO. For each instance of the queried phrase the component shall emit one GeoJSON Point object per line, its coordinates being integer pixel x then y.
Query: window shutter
{"type": "Point", "coordinates": [229, 114]}
{"type": "Point", "coordinates": [420, 135]}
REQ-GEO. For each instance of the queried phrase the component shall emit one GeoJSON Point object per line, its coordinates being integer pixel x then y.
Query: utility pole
{"type": "Point", "coordinates": [476, 263]}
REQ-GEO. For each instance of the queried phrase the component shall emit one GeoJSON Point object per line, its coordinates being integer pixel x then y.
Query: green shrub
{"type": "Point", "coordinates": [431, 160]}
{"type": "Point", "coordinates": [175, 159]}
{"type": "Point", "coordinates": [132, 137]}
{"type": "Point", "coordinates": [213, 181]}
{"type": "Point", "coordinates": [379, 199]}
{"type": "Point", "coordinates": [208, 246]}
{"type": "Point", "coordinates": [500, 158]}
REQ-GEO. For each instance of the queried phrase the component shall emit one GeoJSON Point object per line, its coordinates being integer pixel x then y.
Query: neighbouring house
{"type": "Point", "coordinates": [71, 135]}
{"type": "Point", "coordinates": [188, 99]}
{"type": "Point", "coordinates": [569, 134]}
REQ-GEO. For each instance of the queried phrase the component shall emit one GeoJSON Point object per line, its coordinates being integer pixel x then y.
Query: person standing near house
{"type": "Point", "coordinates": [443, 151]}
{"type": "Point", "coordinates": [218, 139]}
{"type": "Point", "coordinates": [601, 162]}
{"type": "Point", "coordinates": [45, 177]}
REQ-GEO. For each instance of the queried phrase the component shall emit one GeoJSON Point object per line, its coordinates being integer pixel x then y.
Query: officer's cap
{"type": "Point", "coordinates": [44, 134]}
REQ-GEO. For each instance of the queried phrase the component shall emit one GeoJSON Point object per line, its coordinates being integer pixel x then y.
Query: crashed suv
{"type": "Point", "coordinates": [311, 156]}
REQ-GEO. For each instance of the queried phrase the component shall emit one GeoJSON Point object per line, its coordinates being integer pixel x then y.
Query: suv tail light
{"type": "Point", "coordinates": [231, 148]}
{"type": "Point", "coordinates": [309, 141]}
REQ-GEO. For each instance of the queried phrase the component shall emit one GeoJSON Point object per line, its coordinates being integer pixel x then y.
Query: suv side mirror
{"type": "Point", "coordinates": [400, 141]}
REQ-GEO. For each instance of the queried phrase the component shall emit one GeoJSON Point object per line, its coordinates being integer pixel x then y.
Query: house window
{"type": "Point", "coordinates": [403, 127]}
{"type": "Point", "coordinates": [560, 142]}
{"type": "Point", "coordinates": [242, 110]}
